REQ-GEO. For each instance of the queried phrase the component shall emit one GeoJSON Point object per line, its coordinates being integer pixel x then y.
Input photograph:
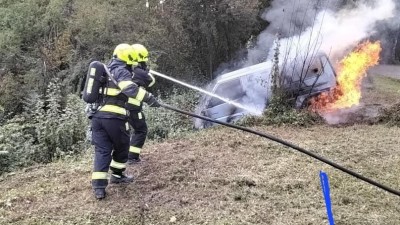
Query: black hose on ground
{"type": "Point", "coordinates": [290, 145]}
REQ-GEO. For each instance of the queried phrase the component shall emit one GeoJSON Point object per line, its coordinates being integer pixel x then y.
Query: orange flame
{"type": "Point", "coordinates": [352, 69]}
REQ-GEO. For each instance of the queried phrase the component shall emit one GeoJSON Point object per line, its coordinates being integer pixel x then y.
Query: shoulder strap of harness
{"type": "Point", "coordinates": [109, 74]}
{"type": "Point", "coordinates": [97, 106]}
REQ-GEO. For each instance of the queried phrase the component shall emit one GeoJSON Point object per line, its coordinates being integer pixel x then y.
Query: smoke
{"type": "Point", "coordinates": [308, 28]}
{"type": "Point", "coordinates": [348, 27]}
{"type": "Point", "coordinates": [341, 116]}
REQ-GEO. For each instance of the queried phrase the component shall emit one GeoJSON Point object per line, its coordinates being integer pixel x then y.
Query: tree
{"type": "Point", "coordinates": [41, 40]}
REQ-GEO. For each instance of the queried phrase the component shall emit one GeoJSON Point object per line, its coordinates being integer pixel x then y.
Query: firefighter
{"type": "Point", "coordinates": [137, 120]}
{"type": "Point", "coordinates": [110, 130]}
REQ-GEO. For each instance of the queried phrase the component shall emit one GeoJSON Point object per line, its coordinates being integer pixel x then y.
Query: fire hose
{"type": "Point", "coordinates": [290, 145]}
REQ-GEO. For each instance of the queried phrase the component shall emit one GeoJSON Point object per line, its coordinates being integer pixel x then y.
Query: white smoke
{"type": "Point", "coordinates": [340, 116]}
{"type": "Point", "coordinates": [288, 18]}
{"type": "Point", "coordinates": [334, 32]}
{"type": "Point", "coordinates": [348, 27]}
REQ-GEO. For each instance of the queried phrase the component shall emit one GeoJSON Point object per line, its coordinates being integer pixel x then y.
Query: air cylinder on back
{"type": "Point", "coordinates": [95, 79]}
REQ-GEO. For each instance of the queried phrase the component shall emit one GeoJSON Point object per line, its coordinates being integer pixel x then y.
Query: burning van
{"type": "Point", "coordinates": [250, 88]}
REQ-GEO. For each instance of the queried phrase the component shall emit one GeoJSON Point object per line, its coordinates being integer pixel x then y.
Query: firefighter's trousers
{"type": "Point", "coordinates": [111, 140]}
{"type": "Point", "coordinates": [138, 122]}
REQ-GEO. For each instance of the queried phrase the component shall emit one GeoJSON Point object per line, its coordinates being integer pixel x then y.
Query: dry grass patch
{"type": "Point", "coordinates": [381, 90]}
{"type": "Point", "coordinates": [221, 176]}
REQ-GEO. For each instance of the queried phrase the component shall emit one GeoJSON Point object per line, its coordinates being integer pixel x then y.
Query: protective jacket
{"type": "Point", "coordinates": [117, 95]}
{"type": "Point", "coordinates": [144, 80]}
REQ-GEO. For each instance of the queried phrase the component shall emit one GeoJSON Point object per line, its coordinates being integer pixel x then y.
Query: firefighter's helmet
{"type": "Point", "coordinates": [125, 53]}
{"type": "Point", "coordinates": [141, 53]}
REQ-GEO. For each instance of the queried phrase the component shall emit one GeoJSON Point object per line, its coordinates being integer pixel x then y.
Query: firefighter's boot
{"type": "Point", "coordinates": [133, 161]}
{"type": "Point", "coordinates": [100, 193]}
{"type": "Point", "coordinates": [133, 157]}
{"type": "Point", "coordinates": [120, 178]}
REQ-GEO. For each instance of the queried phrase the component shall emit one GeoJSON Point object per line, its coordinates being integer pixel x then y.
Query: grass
{"type": "Point", "coordinates": [387, 85]}
{"type": "Point", "coordinates": [382, 90]}
{"type": "Point", "coordinates": [222, 176]}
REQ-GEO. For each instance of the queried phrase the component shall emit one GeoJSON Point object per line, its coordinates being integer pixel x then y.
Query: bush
{"type": "Point", "coordinates": [16, 141]}
{"type": "Point", "coordinates": [281, 112]}
{"type": "Point", "coordinates": [1, 114]}
{"type": "Point", "coordinates": [163, 123]}
{"type": "Point", "coordinates": [46, 131]}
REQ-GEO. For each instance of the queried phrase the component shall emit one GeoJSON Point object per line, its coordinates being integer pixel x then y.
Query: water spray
{"type": "Point", "coordinates": [238, 105]}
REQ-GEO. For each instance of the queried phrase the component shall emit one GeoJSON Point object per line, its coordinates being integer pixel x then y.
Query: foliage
{"type": "Point", "coordinates": [45, 131]}
{"type": "Point", "coordinates": [276, 72]}
{"type": "Point", "coordinates": [164, 123]}
{"type": "Point", "coordinates": [1, 114]}
{"type": "Point", "coordinates": [11, 95]}
{"type": "Point", "coordinates": [16, 143]}
{"type": "Point", "coordinates": [214, 30]}
{"type": "Point", "coordinates": [281, 113]}
{"type": "Point", "coordinates": [41, 40]}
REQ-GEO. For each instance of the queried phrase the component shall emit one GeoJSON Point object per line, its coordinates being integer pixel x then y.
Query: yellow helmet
{"type": "Point", "coordinates": [141, 53]}
{"type": "Point", "coordinates": [125, 53]}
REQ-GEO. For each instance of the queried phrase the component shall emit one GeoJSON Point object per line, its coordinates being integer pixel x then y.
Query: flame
{"type": "Point", "coordinates": [351, 70]}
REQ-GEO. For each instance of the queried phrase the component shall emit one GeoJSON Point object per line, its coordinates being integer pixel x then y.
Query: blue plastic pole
{"type": "Point", "coordinates": [327, 196]}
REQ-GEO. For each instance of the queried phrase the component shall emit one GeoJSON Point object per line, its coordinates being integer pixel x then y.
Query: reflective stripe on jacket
{"type": "Point", "coordinates": [144, 80]}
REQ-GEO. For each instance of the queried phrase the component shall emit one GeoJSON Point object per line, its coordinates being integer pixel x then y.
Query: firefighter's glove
{"type": "Point", "coordinates": [152, 101]}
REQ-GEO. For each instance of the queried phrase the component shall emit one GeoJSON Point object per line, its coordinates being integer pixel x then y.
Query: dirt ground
{"type": "Point", "coordinates": [222, 176]}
